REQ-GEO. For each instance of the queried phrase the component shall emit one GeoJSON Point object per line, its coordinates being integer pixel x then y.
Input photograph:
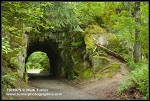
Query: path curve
{"type": "Point", "coordinates": [59, 86]}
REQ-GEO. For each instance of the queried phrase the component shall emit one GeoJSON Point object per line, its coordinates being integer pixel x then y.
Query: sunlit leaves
{"type": "Point", "coordinates": [40, 17]}
{"type": "Point", "coordinates": [125, 23]}
{"type": "Point", "coordinates": [5, 46]}
{"type": "Point", "coordinates": [37, 60]}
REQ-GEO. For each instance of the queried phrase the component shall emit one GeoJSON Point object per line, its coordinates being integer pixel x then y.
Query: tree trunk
{"type": "Point", "coordinates": [110, 52]}
{"type": "Point", "coordinates": [137, 45]}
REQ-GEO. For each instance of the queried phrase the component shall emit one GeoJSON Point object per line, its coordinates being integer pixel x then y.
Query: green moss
{"type": "Point", "coordinates": [111, 37]}
{"type": "Point", "coordinates": [109, 72]}
{"type": "Point", "coordinates": [89, 42]}
{"type": "Point", "coordinates": [85, 64]}
{"type": "Point", "coordinates": [9, 76]}
{"type": "Point", "coordinates": [99, 68]}
{"type": "Point", "coordinates": [77, 55]}
{"type": "Point", "coordinates": [4, 63]}
{"type": "Point", "coordinates": [80, 67]}
{"type": "Point", "coordinates": [14, 62]}
{"type": "Point", "coordinates": [112, 69]}
{"type": "Point", "coordinates": [93, 32]}
{"type": "Point", "coordinates": [100, 57]}
{"type": "Point", "coordinates": [107, 19]}
{"type": "Point", "coordinates": [99, 62]}
{"type": "Point", "coordinates": [16, 41]}
{"type": "Point", "coordinates": [113, 42]}
{"type": "Point", "coordinates": [94, 29]}
{"type": "Point", "coordinates": [76, 70]}
{"type": "Point", "coordinates": [86, 74]}
{"type": "Point", "coordinates": [99, 75]}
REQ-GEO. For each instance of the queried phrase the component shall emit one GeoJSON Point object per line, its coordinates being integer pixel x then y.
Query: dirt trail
{"type": "Point", "coordinates": [65, 90]}
{"type": "Point", "coordinates": [92, 89]}
{"type": "Point", "coordinates": [96, 89]}
{"type": "Point", "coordinates": [104, 88]}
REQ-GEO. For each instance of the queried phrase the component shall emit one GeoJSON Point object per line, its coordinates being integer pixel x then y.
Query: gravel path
{"type": "Point", "coordinates": [62, 89]}
{"type": "Point", "coordinates": [99, 89]}
{"type": "Point", "coordinates": [106, 88]}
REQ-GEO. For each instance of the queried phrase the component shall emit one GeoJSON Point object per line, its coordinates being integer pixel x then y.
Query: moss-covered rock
{"type": "Point", "coordinates": [110, 71]}
{"type": "Point", "coordinates": [113, 42]}
{"type": "Point", "coordinates": [94, 29]}
{"type": "Point", "coordinates": [89, 42]}
{"type": "Point", "coordinates": [99, 62]}
{"type": "Point", "coordinates": [86, 64]}
{"type": "Point", "coordinates": [79, 64]}
{"type": "Point", "coordinates": [77, 56]}
{"type": "Point", "coordinates": [109, 40]}
{"type": "Point", "coordinates": [80, 68]}
{"type": "Point", "coordinates": [90, 33]}
{"type": "Point", "coordinates": [95, 34]}
{"type": "Point", "coordinates": [89, 61]}
{"type": "Point", "coordinates": [86, 74]}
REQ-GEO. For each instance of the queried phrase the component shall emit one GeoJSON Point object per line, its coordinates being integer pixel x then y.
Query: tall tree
{"type": "Point", "coordinates": [137, 45]}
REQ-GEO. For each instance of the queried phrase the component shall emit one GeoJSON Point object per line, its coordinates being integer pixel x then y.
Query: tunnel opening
{"type": "Point", "coordinates": [38, 64]}
{"type": "Point", "coordinates": [53, 53]}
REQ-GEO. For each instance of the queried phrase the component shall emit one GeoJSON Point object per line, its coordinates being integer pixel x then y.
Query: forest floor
{"type": "Point", "coordinates": [105, 88]}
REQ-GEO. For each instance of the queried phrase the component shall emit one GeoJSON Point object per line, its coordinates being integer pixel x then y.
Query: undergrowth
{"type": "Point", "coordinates": [138, 78]}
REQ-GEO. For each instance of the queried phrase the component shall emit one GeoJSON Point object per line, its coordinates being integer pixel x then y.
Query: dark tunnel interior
{"type": "Point", "coordinates": [51, 49]}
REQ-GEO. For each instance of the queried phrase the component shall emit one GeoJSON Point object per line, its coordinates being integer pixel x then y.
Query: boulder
{"type": "Point", "coordinates": [99, 62]}
{"type": "Point", "coordinates": [95, 34]}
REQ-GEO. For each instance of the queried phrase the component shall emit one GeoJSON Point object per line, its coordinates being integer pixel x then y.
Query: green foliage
{"type": "Point", "coordinates": [94, 29]}
{"type": "Point", "coordinates": [88, 73]}
{"type": "Point", "coordinates": [89, 12]}
{"type": "Point", "coordinates": [138, 78]}
{"type": "Point", "coordinates": [8, 79]}
{"type": "Point", "coordinates": [64, 22]}
{"type": "Point", "coordinates": [29, 65]}
{"type": "Point", "coordinates": [127, 83]}
{"type": "Point", "coordinates": [37, 60]}
{"type": "Point", "coordinates": [14, 62]}
{"type": "Point", "coordinates": [5, 46]}
{"type": "Point", "coordinates": [133, 66]}
{"type": "Point", "coordinates": [14, 15]}
{"type": "Point", "coordinates": [125, 26]}
{"type": "Point", "coordinates": [113, 69]}
{"type": "Point", "coordinates": [77, 44]}
{"type": "Point", "coordinates": [108, 72]}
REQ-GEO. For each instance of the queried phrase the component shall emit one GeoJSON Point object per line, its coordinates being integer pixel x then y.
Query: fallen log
{"type": "Point", "coordinates": [110, 52]}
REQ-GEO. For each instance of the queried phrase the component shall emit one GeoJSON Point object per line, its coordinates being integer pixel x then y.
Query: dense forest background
{"type": "Point", "coordinates": [127, 20]}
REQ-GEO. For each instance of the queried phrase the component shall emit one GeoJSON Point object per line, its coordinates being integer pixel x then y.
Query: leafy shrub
{"type": "Point", "coordinates": [8, 79]}
{"type": "Point", "coordinates": [5, 46]}
{"type": "Point", "coordinates": [138, 78]}
{"type": "Point", "coordinates": [127, 83]}
{"type": "Point", "coordinates": [133, 66]}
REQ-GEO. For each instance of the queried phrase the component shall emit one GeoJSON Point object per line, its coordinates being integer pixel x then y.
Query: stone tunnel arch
{"type": "Point", "coordinates": [50, 47]}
